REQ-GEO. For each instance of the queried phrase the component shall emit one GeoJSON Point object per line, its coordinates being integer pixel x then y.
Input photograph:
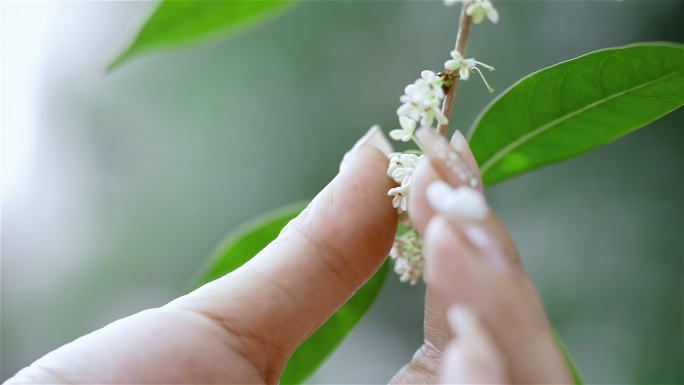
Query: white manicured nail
{"type": "Point", "coordinates": [489, 250]}
{"type": "Point", "coordinates": [473, 358]}
{"type": "Point", "coordinates": [374, 137]}
{"type": "Point", "coordinates": [461, 202]}
{"type": "Point", "coordinates": [458, 141]}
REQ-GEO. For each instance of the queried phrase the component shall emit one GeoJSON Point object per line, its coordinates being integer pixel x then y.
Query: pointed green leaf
{"type": "Point", "coordinates": [576, 377]}
{"type": "Point", "coordinates": [242, 244]}
{"type": "Point", "coordinates": [184, 23]}
{"type": "Point", "coordinates": [572, 107]}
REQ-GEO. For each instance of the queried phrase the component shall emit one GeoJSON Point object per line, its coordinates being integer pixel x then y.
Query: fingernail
{"type": "Point", "coordinates": [374, 137]}
{"type": "Point", "coordinates": [488, 249]}
{"type": "Point", "coordinates": [458, 141]}
{"type": "Point", "coordinates": [467, 206]}
{"type": "Point", "coordinates": [474, 358]}
{"type": "Point", "coordinates": [462, 321]}
{"type": "Point", "coordinates": [458, 203]}
{"type": "Point", "coordinates": [445, 158]}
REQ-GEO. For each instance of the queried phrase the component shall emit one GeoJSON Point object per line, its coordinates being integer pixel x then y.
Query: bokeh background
{"type": "Point", "coordinates": [117, 186]}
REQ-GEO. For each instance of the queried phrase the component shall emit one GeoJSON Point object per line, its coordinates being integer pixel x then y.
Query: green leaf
{"type": "Point", "coordinates": [576, 377]}
{"type": "Point", "coordinates": [572, 107]}
{"type": "Point", "coordinates": [185, 23]}
{"type": "Point", "coordinates": [242, 244]}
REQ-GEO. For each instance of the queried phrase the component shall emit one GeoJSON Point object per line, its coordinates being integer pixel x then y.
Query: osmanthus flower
{"type": "Point", "coordinates": [428, 87]}
{"type": "Point", "coordinates": [407, 252]}
{"type": "Point", "coordinates": [411, 107]}
{"type": "Point", "coordinates": [408, 126]}
{"type": "Point", "coordinates": [432, 111]}
{"type": "Point", "coordinates": [401, 167]}
{"type": "Point", "coordinates": [466, 66]}
{"type": "Point", "coordinates": [400, 200]}
{"type": "Point", "coordinates": [459, 63]}
{"type": "Point", "coordinates": [478, 10]}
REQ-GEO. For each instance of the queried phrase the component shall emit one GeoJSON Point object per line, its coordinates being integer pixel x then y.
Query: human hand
{"type": "Point", "coordinates": [475, 284]}
{"type": "Point", "coordinates": [243, 327]}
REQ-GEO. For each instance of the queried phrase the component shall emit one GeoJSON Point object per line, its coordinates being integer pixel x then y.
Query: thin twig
{"type": "Point", "coordinates": [461, 44]}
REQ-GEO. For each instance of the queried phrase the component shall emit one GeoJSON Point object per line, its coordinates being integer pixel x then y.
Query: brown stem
{"type": "Point", "coordinates": [461, 44]}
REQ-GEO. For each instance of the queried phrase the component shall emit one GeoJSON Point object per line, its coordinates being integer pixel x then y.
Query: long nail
{"type": "Point", "coordinates": [446, 159]}
{"type": "Point", "coordinates": [462, 202]}
{"type": "Point", "coordinates": [473, 358]}
{"type": "Point", "coordinates": [458, 141]}
{"type": "Point", "coordinates": [374, 137]}
{"type": "Point", "coordinates": [466, 208]}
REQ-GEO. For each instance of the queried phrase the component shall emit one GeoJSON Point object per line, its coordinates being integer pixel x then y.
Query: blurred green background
{"type": "Point", "coordinates": [116, 187]}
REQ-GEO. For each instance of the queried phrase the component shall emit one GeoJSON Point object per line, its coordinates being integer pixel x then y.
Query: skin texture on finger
{"type": "Point", "coordinates": [243, 327]}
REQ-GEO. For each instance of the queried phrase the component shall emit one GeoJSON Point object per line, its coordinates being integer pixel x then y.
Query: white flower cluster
{"type": "Point", "coordinates": [422, 104]}
{"type": "Point", "coordinates": [407, 253]}
{"type": "Point", "coordinates": [401, 169]}
{"type": "Point", "coordinates": [423, 100]}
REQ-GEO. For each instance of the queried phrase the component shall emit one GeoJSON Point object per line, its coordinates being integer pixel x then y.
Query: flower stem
{"type": "Point", "coordinates": [461, 44]}
{"type": "Point", "coordinates": [413, 138]}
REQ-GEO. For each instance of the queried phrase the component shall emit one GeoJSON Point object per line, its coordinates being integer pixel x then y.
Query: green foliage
{"type": "Point", "coordinates": [242, 244]}
{"type": "Point", "coordinates": [571, 107]}
{"type": "Point", "coordinates": [185, 23]}
{"type": "Point", "coordinates": [576, 377]}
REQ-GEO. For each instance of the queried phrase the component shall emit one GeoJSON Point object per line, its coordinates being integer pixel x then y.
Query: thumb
{"type": "Point", "coordinates": [318, 261]}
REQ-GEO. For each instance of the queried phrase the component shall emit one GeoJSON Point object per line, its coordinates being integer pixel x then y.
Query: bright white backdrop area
{"type": "Point", "coordinates": [115, 187]}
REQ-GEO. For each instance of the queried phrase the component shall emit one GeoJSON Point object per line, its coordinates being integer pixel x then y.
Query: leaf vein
{"type": "Point", "coordinates": [520, 141]}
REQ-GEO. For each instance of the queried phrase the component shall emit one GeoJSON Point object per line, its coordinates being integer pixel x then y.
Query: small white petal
{"type": "Point", "coordinates": [397, 134]}
{"type": "Point", "coordinates": [428, 118]}
{"type": "Point", "coordinates": [455, 54]}
{"type": "Point", "coordinates": [464, 73]}
{"type": "Point", "coordinates": [493, 15]}
{"type": "Point", "coordinates": [451, 65]}
{"type": "Point", "coordinates": [428, 76]}
{"type": "Point", "coordinates": [407, 124]}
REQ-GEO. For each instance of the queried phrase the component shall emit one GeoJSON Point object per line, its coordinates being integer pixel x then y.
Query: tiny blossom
{"type": "Point", "coordinates": [397, 250]}
{"type": "Point", "coordinates": [408, 126]}
{"type": "Point", "coordinates": [431, 112]}
{"type": "Point", "coordinates": [478, 9]}
{"type": "Point", "coordinates": [395, 162]}
{"type": "Point", "coordinates": [411, 107]}
{"type": "Point", "coordinates": [425, 110]}
{"type": "Point", "coordinates": [401, 167]}
{"type": "Point", "coordinates": [423, 100]}
{"type": "Point", "coordinates": [407, 252]}
{"type": "Point", "coordinates": [459, 63]}
{"type": "Point", "coordinates": [400, 200]}
{"type": "Point", "coordinates": [428, 87]}
{"type": "Point", "coordinates": [466, 66]}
